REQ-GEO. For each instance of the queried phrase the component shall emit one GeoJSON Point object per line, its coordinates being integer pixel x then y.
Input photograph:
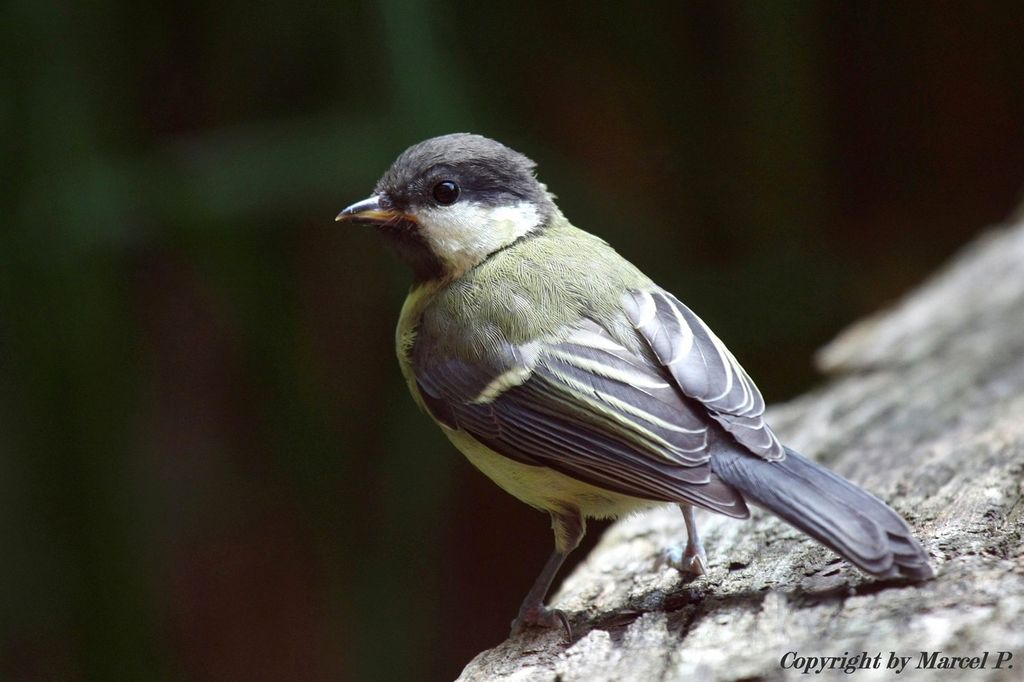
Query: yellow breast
{"type": "Point", "coordinates": [541, 487]}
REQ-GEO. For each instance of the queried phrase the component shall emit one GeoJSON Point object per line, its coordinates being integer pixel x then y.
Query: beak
{"type": "Point", "coordinates": [371, 211]}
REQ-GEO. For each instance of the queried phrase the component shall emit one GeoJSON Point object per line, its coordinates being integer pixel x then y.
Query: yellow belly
{"type": "Point", "coordinates": [544, 488]}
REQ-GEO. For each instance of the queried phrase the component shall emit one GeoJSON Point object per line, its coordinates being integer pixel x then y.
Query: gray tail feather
{"type": "Point", "coordinates": [853, 522]}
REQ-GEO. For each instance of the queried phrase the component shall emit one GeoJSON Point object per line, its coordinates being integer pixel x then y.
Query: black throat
{"type": "Point", "coordinates": [412, 247]}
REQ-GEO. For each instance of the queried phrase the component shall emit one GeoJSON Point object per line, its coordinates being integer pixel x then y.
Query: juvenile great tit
{"type": "Point", "coordinates": [576, 383]}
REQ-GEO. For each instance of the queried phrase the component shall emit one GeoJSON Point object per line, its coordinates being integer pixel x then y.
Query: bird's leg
{"type": "Point", "coordinates": [569, 527]}
{"type": "Point", "coordinates": [692, 560]}
{"type": "Point", "coordinates": [695, 559]}
{"type": "Point", "coordinates": [533, 611]}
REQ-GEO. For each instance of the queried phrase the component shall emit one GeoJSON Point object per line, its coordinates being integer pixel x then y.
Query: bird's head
{"type": "Point", "coordinates": [449, 202]}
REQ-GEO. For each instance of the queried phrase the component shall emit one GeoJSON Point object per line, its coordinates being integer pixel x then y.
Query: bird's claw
{"type": "Point", "coordinates": [541, 616]}
{"type": "Point", "coordinates": [692, 561]}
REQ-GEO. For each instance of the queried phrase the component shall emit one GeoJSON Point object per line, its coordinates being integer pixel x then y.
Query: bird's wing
{"type": "Point", "coordinates": [583, 405]}
{"type": "Point", "coordinates": [703, 367]}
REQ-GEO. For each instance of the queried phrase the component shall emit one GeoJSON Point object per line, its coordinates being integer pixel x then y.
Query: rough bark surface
{"type": "Point", "coordinates": [924, 407]}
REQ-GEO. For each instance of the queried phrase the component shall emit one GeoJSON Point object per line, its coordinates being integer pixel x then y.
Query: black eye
{"type": "Point", "coordinates": [446, 192]}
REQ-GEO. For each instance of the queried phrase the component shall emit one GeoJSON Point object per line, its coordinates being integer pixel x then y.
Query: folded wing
{"type": "Point", "coordinates": [703, 368]}
{"type": "Point", "coordinates": [587, 407]}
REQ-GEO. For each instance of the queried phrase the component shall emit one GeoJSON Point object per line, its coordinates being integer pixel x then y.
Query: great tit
{"type": "Point", "coordinates": [576, 383]}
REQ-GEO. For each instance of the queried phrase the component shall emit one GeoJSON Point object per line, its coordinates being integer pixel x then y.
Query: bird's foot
{"type": "Point", "coordinates": [540, 616]}
{"type": "Point", "coordinates": [692, 561]}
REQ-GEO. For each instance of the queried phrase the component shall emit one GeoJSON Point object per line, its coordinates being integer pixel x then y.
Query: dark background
{"type": "Point", "coordinates": [209, 466]}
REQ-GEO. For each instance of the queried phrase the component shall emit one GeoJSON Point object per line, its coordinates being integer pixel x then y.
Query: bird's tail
{"type": "Point", "coordinates": [853, 522]}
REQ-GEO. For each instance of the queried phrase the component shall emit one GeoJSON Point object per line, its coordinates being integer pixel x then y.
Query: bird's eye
{"type": "Point", "coordinates": [446, 192]}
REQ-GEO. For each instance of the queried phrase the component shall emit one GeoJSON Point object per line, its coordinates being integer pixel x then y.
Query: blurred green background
{"type": "Point", "coordinates": [209, 466]}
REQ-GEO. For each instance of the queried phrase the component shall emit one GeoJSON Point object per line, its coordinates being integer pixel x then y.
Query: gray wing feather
{"type": "Point", "coordinates": [703, 368]}
{"type": "Point", "coordinates": [586, 407]}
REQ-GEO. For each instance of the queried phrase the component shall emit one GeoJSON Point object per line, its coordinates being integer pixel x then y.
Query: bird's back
{"type": "Point", "coordinates": [531, 290]}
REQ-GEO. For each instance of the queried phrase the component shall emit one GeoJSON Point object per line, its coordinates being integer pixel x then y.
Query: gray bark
{"type": "Point", "coordinates": [924, 406]}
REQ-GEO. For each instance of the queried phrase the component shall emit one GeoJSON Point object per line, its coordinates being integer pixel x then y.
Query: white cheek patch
{"type": "Point", "coordinates": [463, 234]}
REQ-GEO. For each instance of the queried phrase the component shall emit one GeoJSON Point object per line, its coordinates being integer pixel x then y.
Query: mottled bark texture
{"type": "Point", "coordinates": [924, 406]}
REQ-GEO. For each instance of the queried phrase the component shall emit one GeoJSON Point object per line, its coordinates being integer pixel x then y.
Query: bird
{"type": "Point", "coordinates": [577, 384]}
